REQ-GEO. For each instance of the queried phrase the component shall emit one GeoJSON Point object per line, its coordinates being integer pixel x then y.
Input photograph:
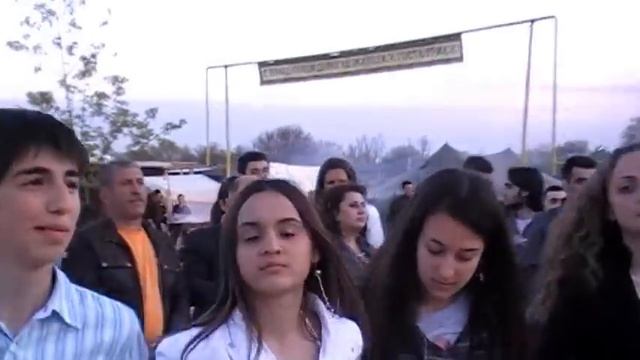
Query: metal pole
{"type": "Point", "coordinates": [226, 117]}
{"type": "Point", "coordinates": [554, 153]}
{"type": "Point", "coordinates": [206, 96]}
{"type": "Point", "coordinates": [525, 114]}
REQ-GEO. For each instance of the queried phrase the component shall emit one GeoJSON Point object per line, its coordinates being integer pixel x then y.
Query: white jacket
{"type": "Point", "coordinates": [375, 232]}
{"type": "Point", "coordinates": [341, 340]}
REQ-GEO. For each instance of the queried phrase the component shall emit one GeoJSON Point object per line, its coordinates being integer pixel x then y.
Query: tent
{"type": "Point", "coordinates": [302, 176]}
{"type": "Point", "coordinates": [449, 157]}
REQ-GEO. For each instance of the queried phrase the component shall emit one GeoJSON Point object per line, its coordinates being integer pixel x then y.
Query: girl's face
{"type": "Point", "coordinates": [352, 212]}
{"type": "Point", "coordinates": [624, 193]}
{"type": "Point", "coordinates": [448, 255]}
{"type": "Point", "coordinates": [274, 252]}
{"type": "Point", "coordinates": [335, 177]}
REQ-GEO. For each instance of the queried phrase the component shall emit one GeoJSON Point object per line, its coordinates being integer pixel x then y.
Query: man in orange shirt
{"type": "Point", "coordinates": [124, 259]}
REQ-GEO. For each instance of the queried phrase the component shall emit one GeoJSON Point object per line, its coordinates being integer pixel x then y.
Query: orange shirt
{"type": "Point", "coordinates": [144, 257]}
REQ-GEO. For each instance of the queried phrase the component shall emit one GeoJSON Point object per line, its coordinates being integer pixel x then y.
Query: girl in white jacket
{"type": "Point", "coordinates": [285, 294]}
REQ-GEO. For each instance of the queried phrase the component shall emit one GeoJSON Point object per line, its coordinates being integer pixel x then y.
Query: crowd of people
{"type": "Point", "coordinates": [463, 268]}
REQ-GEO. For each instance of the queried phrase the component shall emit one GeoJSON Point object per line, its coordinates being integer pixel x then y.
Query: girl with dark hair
{"type": "Point", "coordinates": [217, 211]}
{"type": "Point", "coordinates": [590, 303]}
{"type": "Point", "coordinates": [445, 285]}
{"type": "Point", "coordinates": [335, 172]}
{"type": "Point", "coordinates": [344, 213]}
{"type": "Point", "coordinates": [523, 197]}
{"type": "Point", "coordinates": [286, 292]}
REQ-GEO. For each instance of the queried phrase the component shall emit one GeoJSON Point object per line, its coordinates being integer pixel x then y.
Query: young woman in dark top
{"type": "Point", "coordinates": [589, 304]}
{"type": "Point", "coordinates": [344, 213]}
{"type": "Point", "coordinates": [445, 285]}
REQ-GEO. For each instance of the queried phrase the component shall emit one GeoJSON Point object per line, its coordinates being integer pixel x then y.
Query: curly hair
{"type": "Point", "coordinates": [577, 237]}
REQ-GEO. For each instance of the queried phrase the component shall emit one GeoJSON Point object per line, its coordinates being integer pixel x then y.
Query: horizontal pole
{"type": "Point", "coordinates": [479, 29]}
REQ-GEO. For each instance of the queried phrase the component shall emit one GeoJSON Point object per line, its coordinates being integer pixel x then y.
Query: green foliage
{"type": "Point", "coordinates": [93, 105]}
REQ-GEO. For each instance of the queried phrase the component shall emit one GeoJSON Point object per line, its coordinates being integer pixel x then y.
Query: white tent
{"type": "Point", "coordinates": [200, 192]}
{"type": "Point", "coordinates": [302, 176]}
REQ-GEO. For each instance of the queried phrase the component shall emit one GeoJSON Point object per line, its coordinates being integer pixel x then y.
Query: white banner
{"type": "Point", "coordinates": [426, 52]}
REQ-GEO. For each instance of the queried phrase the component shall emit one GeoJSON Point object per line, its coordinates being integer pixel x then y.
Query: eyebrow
{"type": "Point", "coordinates": [468, 250]}
{"type": "Point", "coordinates": [39, 170]}
{"type": "Point", "coordinates": [281, 221]}
{"type": "Point", "coordinates": [628, 177]}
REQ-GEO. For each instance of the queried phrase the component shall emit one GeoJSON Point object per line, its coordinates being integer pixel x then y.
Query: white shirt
{"type": "Point", "coordinates": [443, 327]}
{"type": "Point", "coordinates": [341, 340]}
{"type": "Point", "coordinates": [375, 232]}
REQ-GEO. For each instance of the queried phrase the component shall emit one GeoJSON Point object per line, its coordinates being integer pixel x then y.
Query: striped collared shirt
{"type": "Point", "coordinates": [76, 323]}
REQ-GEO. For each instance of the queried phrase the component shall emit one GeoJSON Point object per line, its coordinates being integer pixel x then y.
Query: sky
{"type": "Point", "coordinates": [163, 47]}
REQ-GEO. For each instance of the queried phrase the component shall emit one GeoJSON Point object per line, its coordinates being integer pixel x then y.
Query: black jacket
{"type": "Point", "coordinates": [603, 323]}
{"type": "Point", "coordinates": [200, 260]}
{"type": "Point", "coordinates": [396, 208]}
{"type": "Point", "coordinates": [99, 259]}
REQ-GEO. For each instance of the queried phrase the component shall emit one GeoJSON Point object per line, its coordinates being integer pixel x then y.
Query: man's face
{"type": "Point", "coordinates": [577, 180]}
{"type": "Point", "coordinates": [409, 190]}
{"type": "Point", "coordinates": [258, 168]}
{"type": "Point", "coordinates": [126, 197]}
{"type": "Point", "coordinates": [39, 207]}
{"type": "Point", "coordinates": [554, 199]}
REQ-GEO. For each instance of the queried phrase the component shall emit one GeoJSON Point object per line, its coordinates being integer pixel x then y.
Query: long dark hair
{"type": "Point", "coordinates": [337, 284]}
{"type": "Point", "coordinates": [333, 164]}
{"type": "Point", "coordinates": [395, 290]}
{"type": "Point", "coordinates": [223, 195]}
{"type": "Point", "coordinates": [580, 234]}
{"type": "Point", "coordinates": [330, 206]}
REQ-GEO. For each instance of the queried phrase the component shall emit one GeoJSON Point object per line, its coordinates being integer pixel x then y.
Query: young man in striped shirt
{"type": "Point", "coordinates": [42, 314]}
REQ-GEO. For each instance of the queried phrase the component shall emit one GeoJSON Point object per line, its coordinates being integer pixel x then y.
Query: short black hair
{"type": "Point", "coordinates": [248, 157]}
{"type": "Point", "coordinates": [530, 180]}
{"type": "Point", "coordinates": [23, 130]}
{"type": "Point", "coordinates": [406, 182]}
{"type": "Point", "coordinates": [479, 164]}
{"type": "Point", "coordinates": [577, 161]}
{"type": "Point", "coordinates": [553, 188]}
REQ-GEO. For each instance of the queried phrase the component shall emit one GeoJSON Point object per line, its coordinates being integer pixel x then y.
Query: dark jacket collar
{"type": "Point", "coordinates": [110, 233]}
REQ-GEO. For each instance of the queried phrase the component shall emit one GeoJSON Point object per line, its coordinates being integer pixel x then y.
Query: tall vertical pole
{"type": "Point", "coordinates": [554, 153]}
{"type": "Point", "coordinates": [226, 117]}
{"type": "Point", "coordinates": [206, 96]}
{"type": "Point", "coordinates": [525, 114]}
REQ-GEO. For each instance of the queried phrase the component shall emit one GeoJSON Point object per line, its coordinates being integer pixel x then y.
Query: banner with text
{"type": "Point", "coordinates": [398, 56]}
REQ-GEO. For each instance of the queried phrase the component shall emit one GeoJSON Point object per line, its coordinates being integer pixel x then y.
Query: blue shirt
{"type": "Point", "coordinates": [76, 323]}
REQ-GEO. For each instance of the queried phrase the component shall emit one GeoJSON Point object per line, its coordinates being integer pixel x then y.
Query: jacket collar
{"type": "Point", "coordinates": [111, 233]}
{"type": "Point", "coordinates": [336, 342]}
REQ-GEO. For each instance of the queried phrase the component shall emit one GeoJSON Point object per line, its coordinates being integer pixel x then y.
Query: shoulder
{"type": "Point", "coordinates": [201, 237]}
{"type": "Point", "coordinates": [97, 308]}
{"type": "Point", "coordinates": [373, 211]}
{"type": "Point", "coordinates": [344, 338]}
{"type": "Point", "coordinates": [211, 347]}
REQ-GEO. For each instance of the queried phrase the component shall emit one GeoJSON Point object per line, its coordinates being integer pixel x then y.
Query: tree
{"type": "Point", "coordinates": [218, 155]}
{"type": "Point", "coordinates": [366, 150]}
{"type": "Point", "coordinates": [94, 106]}
{"type": "Point", "coordinates": [424, 146]}
{"type": "Point", "coordinates": [600, 154]}
{"type": "Point", "coordinates": [288, 144]}
{"type": "Point", "coordinates": [631, 134]}
{"type": "Point", "coordinates": [164, 150]}
{"type": "Point", "coordinates": [571, 148]}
